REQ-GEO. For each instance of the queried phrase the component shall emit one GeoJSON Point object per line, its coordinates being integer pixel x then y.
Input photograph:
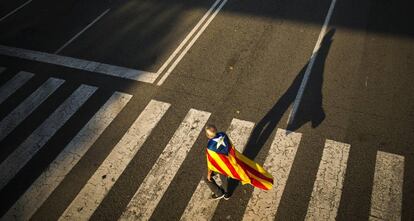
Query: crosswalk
{"type": "Point", "coordinates": [324, 201]}
{"type": "Point", "coordinates": [27, 106]}
{"type": "Point", "coordinates": [388, 183]}
{"type": "Point", "coordinates": [386, 200]}
{"type": "Point", "coordinates": [12, 85]}
{"type": "Point", "coordinates": [41, 189]}
{"type": "Point", "coordinates": [279, 162]}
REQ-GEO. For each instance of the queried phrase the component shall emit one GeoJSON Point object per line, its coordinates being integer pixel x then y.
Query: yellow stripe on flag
{"type": "Point", "coordinates": [220, 163]}
{"type": "Point", "coordinates": [212, 167]}
{"type": "Point", "coordinates": [244, 177]}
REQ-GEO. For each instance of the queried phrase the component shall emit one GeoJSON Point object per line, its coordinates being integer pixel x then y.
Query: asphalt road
{"type": "Point", "coordinates": [247, 64]}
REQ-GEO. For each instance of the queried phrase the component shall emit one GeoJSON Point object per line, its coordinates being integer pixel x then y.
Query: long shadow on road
{"type": "Point", "coordinates": [310, 108]}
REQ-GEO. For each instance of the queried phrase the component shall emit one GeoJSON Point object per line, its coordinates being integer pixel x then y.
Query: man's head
{"type": "Point", "coordinates": [211, 131]}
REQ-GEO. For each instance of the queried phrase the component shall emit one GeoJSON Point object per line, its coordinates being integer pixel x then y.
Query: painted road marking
{"type": "Point", "coordinates": [16, 160]}
{"type": "Point", "coordinates": [46, 183]}
{"type": "Point", "coordinates": [327, 189]}
{"type": "Point", "coordinates": [200, 206]}
{"type": "Point", "coordinates": [113, 70]}
{"type": "Point", "coordinates": [174, 54]}
{"type": "Point", "coordinates": [263, 205]}
{"type": "Point", "coordinates": [386, 198]}
{"type": "Point", "coordinates": [159, 178]}
{"type": "Point", "coordinates": [83, 30]}
{"type": "Point", "coordinates": [92, 66]}
{"type": "Point", "coordinates": [14, 118]}
{"type": "Point", "coordinates": [15, 10]}
{"type": "Point", "coordinates": [95, 190]}
{"type": "Point", "coordinates": [308, 70]}
{"type": "Point", "coordinates": [13, 84]}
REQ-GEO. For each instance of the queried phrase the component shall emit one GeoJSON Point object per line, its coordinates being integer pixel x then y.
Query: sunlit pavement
{"type": "Point", "coordinates": [102, 105]}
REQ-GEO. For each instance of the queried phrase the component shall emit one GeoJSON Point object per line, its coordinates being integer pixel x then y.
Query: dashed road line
{"type": "Point", "coordinates": [14, 118]}
{"type": "Point", "coordinates": [263, 205]}
{"type": "Point", "coordinates": [200, 206]}
{"type": "Point", "coordinates": [98, 186]}
{"type": "Point", "coordinates": [15, 10]}
{"type": "Point", "coordinates": [150, 192]}
{"type": "Point", "coordinates": [46, 183]}
{"type": "Point", "coordinates": [14, 84]}
{"type": "Point", "coordinates": [327, 189]}
{"type": "Point", "coordinates": [386, 198]}
{"type": "Point", "coordinates": [16, 160]}
{"type": "Point", "coordinates": [83, 30]}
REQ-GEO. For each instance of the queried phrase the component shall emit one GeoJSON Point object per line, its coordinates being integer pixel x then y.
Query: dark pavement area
{"type": "Point", "coordinates": [248, 64]}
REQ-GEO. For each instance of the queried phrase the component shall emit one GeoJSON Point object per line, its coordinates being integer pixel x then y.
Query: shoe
{"type": "Point", "coordinates": [227, 196]}
{"type": "Point", "coordinates": [214, 197]}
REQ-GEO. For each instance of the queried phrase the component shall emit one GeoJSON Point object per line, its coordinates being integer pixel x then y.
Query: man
{"type": "Point", "coordinates": [218, 191]}
{"type": "Point", "coordinates": [223, 158]}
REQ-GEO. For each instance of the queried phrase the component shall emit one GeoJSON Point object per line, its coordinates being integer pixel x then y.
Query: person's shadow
{"type": "Point", "coordinates": [309, 110]}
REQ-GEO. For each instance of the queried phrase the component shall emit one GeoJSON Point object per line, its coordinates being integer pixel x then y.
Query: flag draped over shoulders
{"type": "Point", "coordinates": [223, 158]}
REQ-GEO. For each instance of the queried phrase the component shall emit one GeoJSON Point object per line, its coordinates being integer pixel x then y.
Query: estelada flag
{"type": "Point", "coordinates": [223, 158]}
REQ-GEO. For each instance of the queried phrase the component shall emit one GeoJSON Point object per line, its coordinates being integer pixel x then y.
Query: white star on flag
{"type": "Point", "coordinates": [219, 141]}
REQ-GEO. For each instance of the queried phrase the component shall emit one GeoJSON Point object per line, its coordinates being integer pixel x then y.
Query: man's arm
{"type": "Point", "coordinates": [209, 172]}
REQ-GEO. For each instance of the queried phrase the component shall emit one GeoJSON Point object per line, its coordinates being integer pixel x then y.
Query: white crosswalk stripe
{"type": "Point", "coordinates": [386, 198]}
{"type": "Point", "coordinates": [92, 194]}
{"type": "Point", "coordinates": [158, 179]}
{"type": "Point", "coordinates": [47, 182]}
{"type": "Point", "coordinates": [327, 188]}
{"type": "Point", "coordinates": [11, 121]}
{"type": "Point", "coordinates": [16, 160]}
{"type": "Point", "coordinates": [263, 205]}
{"type": "Point", "coordinates": [200, 207]}
{"type": "Point", "coordinates": [14, 84]}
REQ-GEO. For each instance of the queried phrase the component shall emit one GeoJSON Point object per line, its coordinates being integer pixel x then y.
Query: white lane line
{"type": "Point", "coordinates": [83, 30]}
{"type": "Point", "coordinates": [46, 183]}
{"type": "Point", "coordinates": [327, 189]}
{"type": "Point", "coordinates": [92, 66]}
{"type": "Point", "coordinates": [16, 160]}
{"type": "Point", "coordinates": [13, 84]}
{"type": "Point", "coordinates": [14, 118]}
{"type": "Point", "coordinates": [308, 70]}
{"type": "Point", "coordinates": [386, 198]}
{"type": "Point", "coordinates": [156, 182]}
{"type": "Point", "coordinates": [178, 49]}
{"type": "Point", "coordinates": [98, 186]}
{"type": "Point", "coordinates": [200, 206]}
{"type": "Point", "coordinates": [15, 10]}
{"type": "Point", "coordinates": [168, 72]}
{"type": "Point", "coordinates": [263, 205]}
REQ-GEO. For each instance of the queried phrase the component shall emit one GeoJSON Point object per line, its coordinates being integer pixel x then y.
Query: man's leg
{"type": "Point", "coordinates": [225, 186]}
{"type": "Point", "coordinates": [214, 187]}
{"type": "Point", "coordinates": [224, 182]}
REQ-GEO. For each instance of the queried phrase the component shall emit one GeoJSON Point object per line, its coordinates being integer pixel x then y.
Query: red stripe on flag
{"type": "Point", "coordinates": [258, 184]}
{"type": "Point", "coordinates": [215, 164]}
{"type": "Point", "coordinates": [253, 171]}
{"type": "Point", "coordinates": [231, 168]}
